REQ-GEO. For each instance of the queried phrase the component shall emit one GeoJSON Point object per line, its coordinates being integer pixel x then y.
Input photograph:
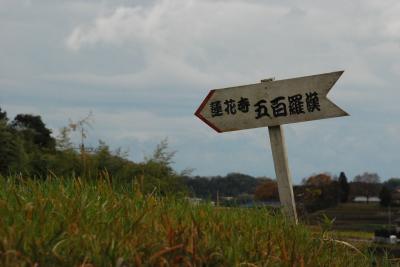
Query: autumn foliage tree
{"type": "Point", "coordinates": [318, 191]}
{"type": "Point", "coordinates": [267, 191]}
{"type": "Point", "coordinates": [318, 180]}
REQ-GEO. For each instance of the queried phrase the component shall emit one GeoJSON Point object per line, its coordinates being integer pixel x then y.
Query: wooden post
{"type": "Point", "coordinates": [316, 87]}
{"type": "Point", "coordinates": [282, 171]}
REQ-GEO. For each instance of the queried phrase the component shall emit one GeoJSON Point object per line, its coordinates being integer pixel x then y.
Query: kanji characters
{"type": "Point", "coordinates": [230, 106]}
{"type": "Point", "coordinates": [243, 105]}
{"type": "Point", "coordinates": [281, 106]}
{"type": "Point", "coordinates": [312, 102]}
{"type": "Point", "coordinates": [261, 109]}
{"type": "Point", "coordinates": [278, 108]}
{"type": "Point", "coordinates": [296, 104]}
{"type": "Point", "coordinates": [216, 108]}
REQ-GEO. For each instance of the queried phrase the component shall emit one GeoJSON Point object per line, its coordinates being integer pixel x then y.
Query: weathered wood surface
{"type": "Point", "coordinates": [268, 91]}
{"type": "Point", "coordinates": [283, 175]}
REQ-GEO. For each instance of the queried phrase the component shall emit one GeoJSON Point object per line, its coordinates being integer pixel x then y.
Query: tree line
{"type": "Point", "coordinates": [28, 149]}
{"type": "Point", "coordinates": [316, 192]}
{"type": "Point", "coordinates": [322, 190]}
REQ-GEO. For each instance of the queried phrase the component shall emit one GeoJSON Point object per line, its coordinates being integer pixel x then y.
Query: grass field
{"type": "Point", "coordinates": [77, 223]}
{"type": "Point", "coordinates": [347, 234]}
{"type": "Point", "coordinates": [358, 216]}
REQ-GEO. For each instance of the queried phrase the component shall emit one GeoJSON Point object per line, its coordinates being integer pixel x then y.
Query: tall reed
{"type": "Point", "coordinates": [73, 222]}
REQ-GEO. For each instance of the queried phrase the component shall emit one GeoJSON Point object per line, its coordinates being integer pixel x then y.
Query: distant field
{"type": "Point", "coordinates": [358, 217]}
{"type": "Point", "coordinates": [355, 223]}
{"type": "Point", "coordinates": [77, 223]}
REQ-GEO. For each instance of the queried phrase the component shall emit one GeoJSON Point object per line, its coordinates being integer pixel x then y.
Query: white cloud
{"type": "Point", "coordinates": [247, 39]}
{"type": "Point", "coordinates": [170, 23]}
{"type": "Point", "coordinates": [144, 66]}
{"type": "Point", "coordinates": [393, 131]}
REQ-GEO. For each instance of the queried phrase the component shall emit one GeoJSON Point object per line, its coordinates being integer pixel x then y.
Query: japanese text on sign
{"type": "Point", "coordinates": [278, 107]}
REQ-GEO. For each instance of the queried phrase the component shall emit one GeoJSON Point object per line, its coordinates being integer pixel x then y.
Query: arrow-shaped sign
{"type": "Point", "coordinates": [270, 103]}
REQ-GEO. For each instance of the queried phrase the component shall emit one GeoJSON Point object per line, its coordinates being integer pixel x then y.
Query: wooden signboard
{"type": "Point", "coordinates": [270, 104]}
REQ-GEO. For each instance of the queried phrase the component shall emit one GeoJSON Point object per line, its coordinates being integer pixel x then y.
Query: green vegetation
{"type": "Point", "coordinates": [71, 222]}
{"type": "Point", "coordinates": [63, 204]}
{"type": "Point", "coordinates": [232, 185]}
{"type": "Point", "coordinates": [357, 216]}
{"type": "Point", "coordinates": [349, 235]}
{"type": "Point", "coordinates": [352, 235]}
{"type": "Point", "coordinates": [28, 149]}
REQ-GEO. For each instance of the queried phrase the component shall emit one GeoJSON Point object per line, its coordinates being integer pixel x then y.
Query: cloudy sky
{"type": "Point", "coordinates": [143, 67]}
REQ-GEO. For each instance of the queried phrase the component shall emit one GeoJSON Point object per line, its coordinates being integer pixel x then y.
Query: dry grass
{"type": "Point", "coordinates": [76, 223]}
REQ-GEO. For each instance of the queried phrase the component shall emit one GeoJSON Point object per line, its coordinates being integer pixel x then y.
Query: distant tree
{"type": "Point", "coordinates": [12, 153]}
{"type": "Point", "coordinates": [307, 194]}
{"type": "Point", "coordinates": [330, 193]}
{"type": "Point", "coordinates": [366, 184]}
{"type": "Point", "coordinates": [318, 192]}
{"type": "Point", "coordinates": [385, 196]}
{"type": "Point", "coordinates": [159, 173]}
{"type": "Point", "coordinates": [63, 140]}
{"type": "Point", "coordinates": [366, 177]}
{"type": "Point", "coordinates": [231, 185]}
{"type": "Point", "coordinates": [33, 129]}
{"type": "Point", "coordinates": [343, 188]}
{"type": "Point", "coordinates": [162, 154]}
{"type": "Point", "coordinates": [392, 183]}
{"type": "Point", "coordinates": [267, 191]}
{"type": "Point", "coordinates": [199, 186]}
{"type": "Point", "coordinates": [82, 127]}
{"type": "Point", "coordinates": [3, 116]}
{"type": "Point", "coordinates": [318, 180]}
{"type": "Point", "coordinates": [27, 147]}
